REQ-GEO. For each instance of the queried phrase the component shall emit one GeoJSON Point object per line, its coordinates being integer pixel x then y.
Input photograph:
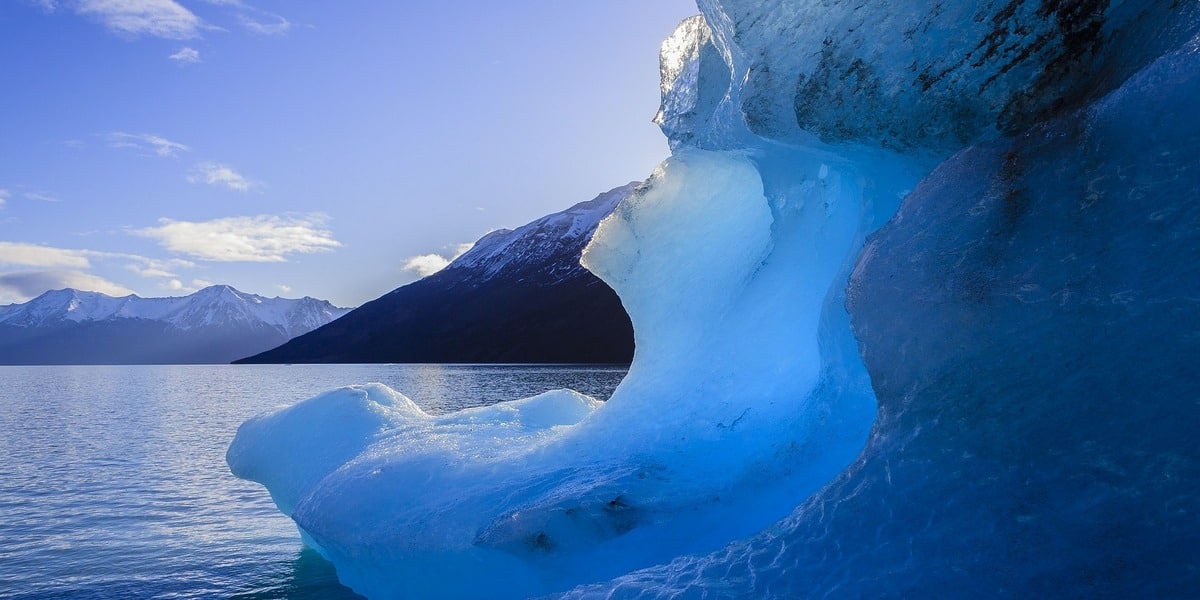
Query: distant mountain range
{"type": "Point", "coordinates": [214, 325]}
{"type": "Point", "coordinates": [517, 296]}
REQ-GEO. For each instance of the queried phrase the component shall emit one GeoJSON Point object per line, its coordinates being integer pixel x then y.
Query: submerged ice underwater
{"type": "Point", "coordinates": [916, 307]}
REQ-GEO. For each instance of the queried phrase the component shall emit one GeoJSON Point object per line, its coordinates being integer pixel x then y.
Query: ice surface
{"type": "Point", "coordinates": [796, 130]}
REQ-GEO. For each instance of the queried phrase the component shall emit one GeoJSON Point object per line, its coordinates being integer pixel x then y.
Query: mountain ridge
{"type": "Point", "coordinates": [213, 325]}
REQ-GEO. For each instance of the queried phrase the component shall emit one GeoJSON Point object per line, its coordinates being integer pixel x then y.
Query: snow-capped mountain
{"type": "Point", "coordinates": [517, 295]}
{"type": "Point", "coordinates": [540, 246]}
{"type": "Point", "coordinates": [215, 324]}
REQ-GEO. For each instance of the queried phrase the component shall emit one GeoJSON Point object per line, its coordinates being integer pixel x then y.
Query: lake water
{"type": "Point", "coordinates": [113, 481]}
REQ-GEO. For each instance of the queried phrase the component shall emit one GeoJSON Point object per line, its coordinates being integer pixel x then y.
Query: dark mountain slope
{"type": "Point", "coordinates": [516, 296]}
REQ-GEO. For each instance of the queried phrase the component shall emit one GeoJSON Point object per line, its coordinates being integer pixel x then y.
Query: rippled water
{"type": "Point", "coordinates": [113, 481]}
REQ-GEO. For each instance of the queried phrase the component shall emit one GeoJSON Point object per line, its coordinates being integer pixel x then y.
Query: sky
{"type": "Point", "coordinates": [329, 149]}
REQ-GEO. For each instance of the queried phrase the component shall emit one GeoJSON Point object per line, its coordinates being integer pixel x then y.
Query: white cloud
{"type": "Point", "coordinates": [24, 285]}
{"type": "Point", "coordinates": [150, 271]}
{"type": "Point", "coordinates": [36, 255]}
{"type": "Point", "coordinates": [200, 283]}
{"type": "Point", "coordinates": [428, 264]}
{"type": "Point", "coordinates": [63, 267]}
{"type": "Point", "coordinates": [151, 267]}
{"type": "Point", "coordinates": [283, 287]}
{"type": "Point", "coordinates": [218, 174]}
{"type": "Point", "coordinates": [33, 255]}
{"type": "Point", "coordinates": [157, 18]}
{"type": "Point", "coordinates": [186, 56]}
{"type": "Point", "coordinates": [4, 196]}
{"type": "Point", "coordinates": [263, 238]}
{"type": "Point", "coordinates": [146, 143]}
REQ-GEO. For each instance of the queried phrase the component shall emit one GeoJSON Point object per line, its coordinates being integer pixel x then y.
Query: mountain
{"type": "Point", "coordinates": [517, 296]}
{"type": "Point", "coordinates": [214, 325]}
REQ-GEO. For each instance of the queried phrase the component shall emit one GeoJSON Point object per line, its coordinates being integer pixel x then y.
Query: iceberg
{"type": "Point", "coordinates": [811, 411]}
{"type": "Point", "coordinates": [540, 494]}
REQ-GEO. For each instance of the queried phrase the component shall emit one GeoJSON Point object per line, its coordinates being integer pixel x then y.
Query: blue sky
{"type": "Point", "coordinates": [306, 148]}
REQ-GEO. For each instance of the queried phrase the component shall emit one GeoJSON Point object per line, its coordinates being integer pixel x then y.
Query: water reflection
{"type": "Point", "coordinates": [312, 578]}
{"type": "Point", "coordinates": [444, 388]}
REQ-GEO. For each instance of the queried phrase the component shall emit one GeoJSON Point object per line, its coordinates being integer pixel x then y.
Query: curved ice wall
{"type": "Point", "coordinates": [796, 129]}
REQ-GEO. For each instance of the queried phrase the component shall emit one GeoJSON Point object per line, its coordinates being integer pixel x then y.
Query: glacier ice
{"type": "Point", "coordinates": [731, 460]}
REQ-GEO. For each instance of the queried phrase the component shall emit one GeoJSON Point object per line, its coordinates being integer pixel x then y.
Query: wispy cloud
{"type": "Point", "coordinates": [146, 143]}
{"type": "Point", "coordinates": [276, 24]}
{"type": "Point", "coordinates": [34, 255]}
{"type": "Point", "coordinates": [428, 264]}
{"type": "Point", "coordinates": [23, 191]}
{"type": "Point", "coordinates": [52, 268]}
{"type": "Point", "coordinates": [168, 19]}
{"type": "Point", "coordinates": [149, 271]}
{"type": "Point", "coordinates": [214, 173]}
{"type": "Point", "coordinates": [21, 286]}
{"type": "Point", "coordinates": [156, 18]}
{"type": "Point", "coordinates": [46, 5]}
{"type": "Point", "coordinates": [186, 56]}
{"type": "Point", "coordinates": [154, 268]}
{"type": "Point", "coordinates": [256, 20]}
{"type": "Point", "coordinates": [15, 254]}
{"type": "Point", "coordinates": [39, 197]}
{"type": "Point", "coordinates": [262, 238]}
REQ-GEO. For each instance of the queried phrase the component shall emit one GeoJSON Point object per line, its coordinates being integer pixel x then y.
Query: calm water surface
{"type": "Point", "coordinates": [113, 481]}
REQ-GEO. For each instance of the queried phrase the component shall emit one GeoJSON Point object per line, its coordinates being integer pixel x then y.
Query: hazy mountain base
{"type": "Point", "coordinates": [131, 342]}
